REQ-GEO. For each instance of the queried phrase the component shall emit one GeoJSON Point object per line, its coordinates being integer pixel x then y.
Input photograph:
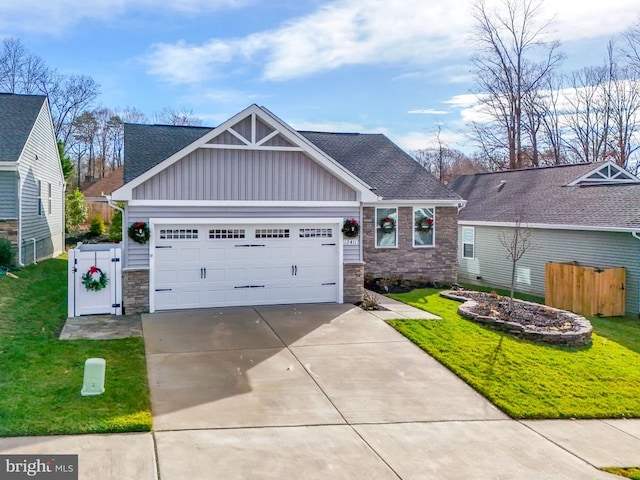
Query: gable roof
{"type": "Point", "coordinates": [105, 185]}
{"type": "Point", "coordinates": [544, 196]}
{"type": "Point", "coordinates": [382, 164]}
{"type": "Point", "coordinates": [18, 114]}
{"type": "Point", "coordinates": [370, 162]}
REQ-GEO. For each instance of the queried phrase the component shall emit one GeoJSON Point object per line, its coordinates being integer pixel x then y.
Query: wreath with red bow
{"type": "Point", "coordinates": [139, 232]}
{"type": "Point", "coordinates": [95, 279]}
{"type": "Point", "coordinates": [351, 228]}
{"type": "Point", "coordinates": [387, 225]}
{"type": "Point", "coordinates": [424, 224]}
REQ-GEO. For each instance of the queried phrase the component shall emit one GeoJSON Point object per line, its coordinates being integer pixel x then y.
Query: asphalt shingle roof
{"type": "Point", "coordinates": [541, 195]}
{"type": "Point", "coordinates": [373, 158]}
{"type": "Point", "coordinates": [18, 114]}
{"type": "Point", "coordinates": [382, 164]}
{"type": "Point", "coordinates": [145, 146]}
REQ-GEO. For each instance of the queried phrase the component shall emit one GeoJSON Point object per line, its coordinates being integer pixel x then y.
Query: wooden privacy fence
{"type": "Point", "coordinates": [588, 291]}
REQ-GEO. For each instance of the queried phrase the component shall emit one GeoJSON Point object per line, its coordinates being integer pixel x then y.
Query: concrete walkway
{"type": "Point", "coordinates": [324, 392]}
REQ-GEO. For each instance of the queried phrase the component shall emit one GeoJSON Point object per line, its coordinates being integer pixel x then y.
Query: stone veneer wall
{"type": "Point", "coordinates": [353, 282]}
{"type": "Point", "coordinates": [9, 229]}
{"type": "Point", "coordinates": [135, 291]}
{"type": "Point", "coordinates": [405, 262]}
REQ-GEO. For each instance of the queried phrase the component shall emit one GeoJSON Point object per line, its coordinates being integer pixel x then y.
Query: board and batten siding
{"type": "Point", "coordinates": [40, 161]}
{"type": "Point", "coordinates": [8, 195]}
{"type": "Point", "coordinates": [220, 174]}
{"type": "Point", "coordinates": [137, 256]}
{"type": "Point", "coordinates": [588, 248]}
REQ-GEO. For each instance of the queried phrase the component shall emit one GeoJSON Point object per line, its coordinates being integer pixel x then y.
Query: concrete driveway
{"type": "Point", "coordinates": [325, 391]}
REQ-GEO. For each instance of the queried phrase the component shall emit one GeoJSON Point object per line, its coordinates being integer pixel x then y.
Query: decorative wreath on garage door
{"type": "Point", "coordinates": [95, 279]}
{"type": "Point", "coordinates": [139, 232]}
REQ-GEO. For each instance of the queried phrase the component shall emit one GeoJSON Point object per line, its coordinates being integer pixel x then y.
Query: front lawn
{"type": "Point", "coordinates": [41, 376]}
{"type": "Point", "coordinates": [528, 380]}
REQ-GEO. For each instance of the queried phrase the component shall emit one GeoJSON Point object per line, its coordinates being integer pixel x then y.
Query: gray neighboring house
{"type": "Point", "coordinates": [588, 213]}
{"type": "Point", "coordinates": [31, 180]}
{"type": "Point", "coordinates": [251, 213]}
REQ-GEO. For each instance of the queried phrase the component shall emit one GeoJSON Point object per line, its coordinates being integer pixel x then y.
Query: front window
{"type": "Point", "coordinates": [424, 226]}
{"type": "Point", "coordinates": [386, 227]}
{"type": "Point", "coordinates": [468, 242]}
{"type": "Point", "coordinates": [50, 199]}
{"type": "Point", "coordinates": [40, 197]}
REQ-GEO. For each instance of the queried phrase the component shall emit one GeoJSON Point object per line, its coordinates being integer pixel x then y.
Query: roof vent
{"type": "Point", "coordinates": [501, 186]}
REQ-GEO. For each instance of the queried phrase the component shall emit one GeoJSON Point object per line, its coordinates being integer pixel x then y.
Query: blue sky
{"type": "Point", "coordinates": [395, 67]}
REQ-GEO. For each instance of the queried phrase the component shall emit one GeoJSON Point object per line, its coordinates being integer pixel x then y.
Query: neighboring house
{"type": "Point", "coordinates": [251, 213]}
{"type": "Point", "coordinates": [31, 180]}
{"type": "Point", "coordinates": [585, 213]}
{"type": "Point", "coordinates": [94, 194]}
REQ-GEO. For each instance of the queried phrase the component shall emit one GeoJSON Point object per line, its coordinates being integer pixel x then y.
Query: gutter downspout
{"type": "Point", "coordinates": [19, 239]}
{"type": "Point", "coordinates": [637, 237]}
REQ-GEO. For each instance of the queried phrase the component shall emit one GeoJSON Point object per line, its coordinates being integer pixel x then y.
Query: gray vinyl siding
{"type": "Point", "coordinates": [601, 249]}
{"type": "Point", "coordinates": [137, 256]}
{"type": "Point", "coordinates": [218, 174]}
{"type": "Point", "coordinates": [8, 195]}
{"type": "Point", "coordinates": [47, 229]}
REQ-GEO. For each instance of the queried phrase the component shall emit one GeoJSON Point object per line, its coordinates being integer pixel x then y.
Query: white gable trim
{"type": "Point", "coordinates": [608, 172]}
{"type": "Point", "coordinates": [126, 191]}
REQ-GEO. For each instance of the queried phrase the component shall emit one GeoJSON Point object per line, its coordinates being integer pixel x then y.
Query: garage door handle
{"type": "Point", "coordinates": [250, 286]}
{"type": "Point", "coordinates": [163, 289]}
{"type": "Point", "coordinates": [328, 244]}
{"type": "Point", "coordinates": [249, 245]}
{"type": "Point", "coordinates": [294, 270]}
{"type": "Point", "coordinates": [163, 246]}
{"type": "Point", "coordinates": [330, 283]}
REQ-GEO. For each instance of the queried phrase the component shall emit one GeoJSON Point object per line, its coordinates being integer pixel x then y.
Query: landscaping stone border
{"type": "Point", "coordinates": [581, 336]}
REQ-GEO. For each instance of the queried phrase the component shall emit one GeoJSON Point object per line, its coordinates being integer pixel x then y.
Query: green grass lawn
{"type": "Point", "coordinates": [632, 473]}
{"type": "Point", "coordinates": [528, 380]}
{"type": "Point", "coordinates": [41, 376]}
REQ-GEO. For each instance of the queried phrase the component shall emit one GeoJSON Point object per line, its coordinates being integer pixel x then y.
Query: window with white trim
{"type": "Point", "coordinates": [272, 233]}
{"type": "Point", "coordinates": [468, 242]}
{"type": "Point", "coordinates": [316, 233]}
{"type": "Point", "coordinates": [222, 233]}
{"type": "Point", "coordinates": [40, 212]}
{"type": "Point", "coordinates": [178, 234]}
{"type": "Point", "coordinates": [424, 227]}
{"type": "Point", "coordinates": [386, 227]}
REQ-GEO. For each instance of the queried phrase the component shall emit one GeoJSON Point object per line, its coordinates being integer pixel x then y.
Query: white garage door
{"type": "Point", "coordinates": [197, 266]}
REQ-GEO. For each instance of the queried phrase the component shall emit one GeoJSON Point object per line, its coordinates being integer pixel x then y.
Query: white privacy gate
{"type": "Point", "coordinates": [107, 300]}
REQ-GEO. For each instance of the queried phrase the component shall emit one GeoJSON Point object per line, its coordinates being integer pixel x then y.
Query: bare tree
{"type": "Point", "coordinates": [512, 62]}
{"type": "Point", "coordinates": [182, 117]}
{"type": "Point", "coordinates": [588, 118]}
{"type": "Point", "coordinates": [20, 71]}
{"type": "Point", "coordinates": [69, 97]}
{"type": "Point", "coordinates": [624, 110]}
{"type": "Point", "coordinates": [549, 113]}
{"type": "Point", "coordinates": [516, 244]}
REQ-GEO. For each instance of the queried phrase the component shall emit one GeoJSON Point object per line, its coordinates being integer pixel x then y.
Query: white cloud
{"type": "Point", "coordinates": [357, 32]}
{"type": "Point", "coordinates": [428, 111]}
